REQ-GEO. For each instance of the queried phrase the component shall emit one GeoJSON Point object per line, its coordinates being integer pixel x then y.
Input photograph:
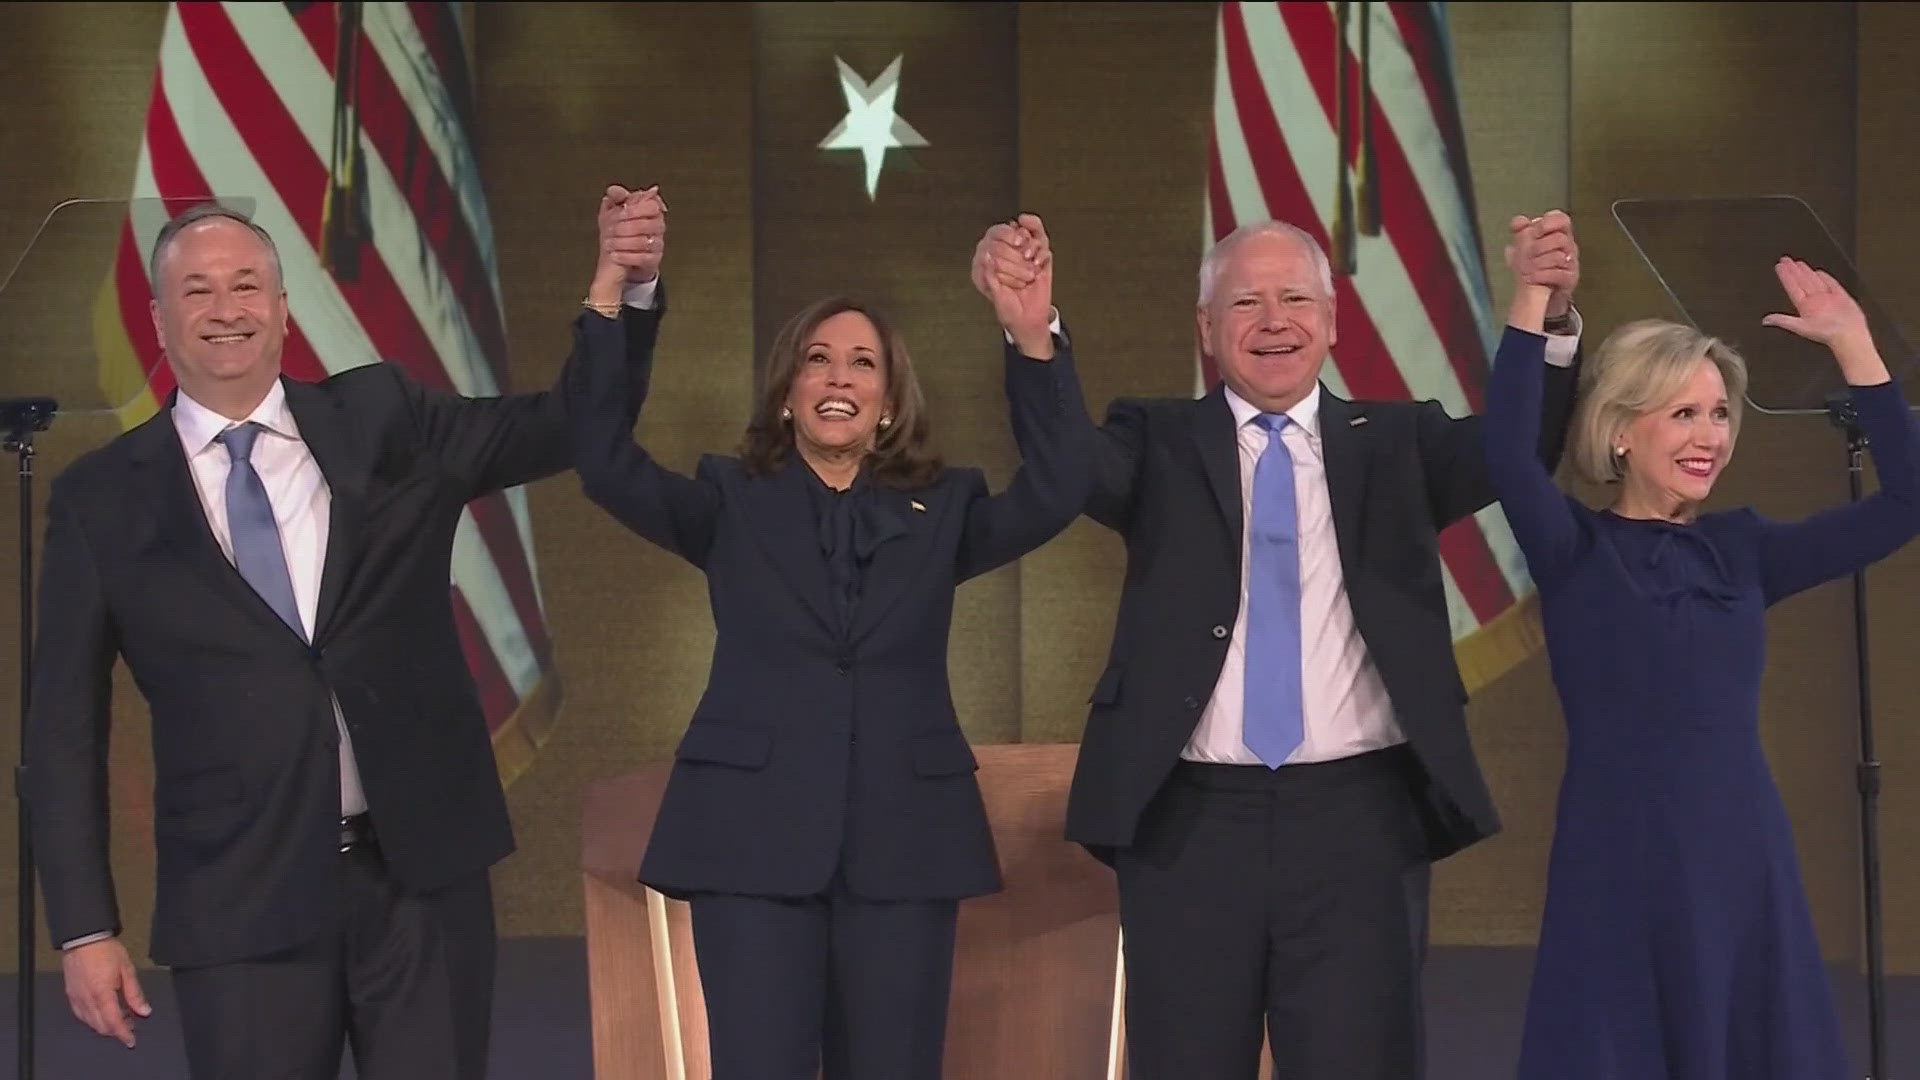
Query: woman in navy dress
{"type": "Point", "coordinates": [1677, 942]}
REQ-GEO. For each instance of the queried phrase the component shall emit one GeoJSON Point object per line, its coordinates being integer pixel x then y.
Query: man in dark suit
{"type": "Point", "coordinates": [1278, 749]}
{"type": "Point", "coordinates": [271, 559]}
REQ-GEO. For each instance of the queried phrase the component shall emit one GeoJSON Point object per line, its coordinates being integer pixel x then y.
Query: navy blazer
{"type": "Point", "coordinates": [815, 751]}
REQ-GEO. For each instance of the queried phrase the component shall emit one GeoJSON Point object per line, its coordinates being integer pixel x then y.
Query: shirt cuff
{"type": "Point", "coordinates": [1562, 346]}
{"type": "Point", "coordinates": [641, 295]}
{"type": "Point", "coordinates": [1053, 327]}
{"type": "Point", "coordinates": [89, 939]}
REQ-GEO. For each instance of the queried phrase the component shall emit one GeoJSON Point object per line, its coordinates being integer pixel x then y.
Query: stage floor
{"type": "Point", "coordinates": [541, 1029]}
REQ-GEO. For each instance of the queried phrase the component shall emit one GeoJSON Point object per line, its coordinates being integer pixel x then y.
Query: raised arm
{"type": "Point", "coordinates": [1801, 555]}
{"type": "Point", "coordinates": [1542, 517]}
{"type": "Point", "coordinates": [604, 388]}
{"type": "Point", "coordinates": [499, 442]}
{"type": "Point", "coordinates": [1452, 450]}
{"type": "Point", "coordinates": [1013, 267]}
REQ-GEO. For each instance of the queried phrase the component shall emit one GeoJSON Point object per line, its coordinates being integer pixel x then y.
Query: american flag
{"type": "Point", "coordinates": [1342, 119]}
{"type": "Point", "coordinates": [349, 127]}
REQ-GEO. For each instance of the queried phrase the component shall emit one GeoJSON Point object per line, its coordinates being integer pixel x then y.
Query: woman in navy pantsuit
{"type": "Point", "coordinates": [1677, 943]}
{"type": "Point", "coordinates": [822, 815]}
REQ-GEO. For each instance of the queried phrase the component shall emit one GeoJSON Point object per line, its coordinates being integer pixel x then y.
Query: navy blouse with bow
{"type": "Point", "coordinates": [852, 525]}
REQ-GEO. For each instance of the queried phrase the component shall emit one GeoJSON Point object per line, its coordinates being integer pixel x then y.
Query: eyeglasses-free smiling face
{"type": "Point", "coordinates": [219, 308]}
{"type": "Point", "coordinates": [1269, 322]}
{"type": "Point", "coordinates": [1675, 453]}
{"type": "Point", "coordinates": [839, 390]}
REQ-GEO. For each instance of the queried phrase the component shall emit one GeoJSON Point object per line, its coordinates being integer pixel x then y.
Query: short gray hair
{"type": "Point", "coordinates": [206, 212]}
{"type": "Point", "coordinates": [1216, 255]}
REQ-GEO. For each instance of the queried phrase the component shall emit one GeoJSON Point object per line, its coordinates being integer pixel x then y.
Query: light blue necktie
{"type": "Point", "coordinates": [257, 553]}
{"type": "Point", "coordinates": [1273, 724]}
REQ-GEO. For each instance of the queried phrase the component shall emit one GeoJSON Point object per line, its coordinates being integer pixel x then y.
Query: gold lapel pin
{"type": "Point", "coordinates": [918, 506]}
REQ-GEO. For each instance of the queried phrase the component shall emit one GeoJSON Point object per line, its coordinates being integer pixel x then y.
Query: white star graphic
{"type": "Point", "coordinates": [870, 125]}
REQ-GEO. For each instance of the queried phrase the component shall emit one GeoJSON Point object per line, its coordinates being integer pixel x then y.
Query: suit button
{"type": "Point", "coordinates": [1219, 632]}
{"type": "Point", "coordinates": [1192, 703]}
{"type": "Point", "coordinates": [842, 668]}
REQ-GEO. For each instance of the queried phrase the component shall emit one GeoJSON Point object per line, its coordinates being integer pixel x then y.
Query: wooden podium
{"type": "Point", "coordinates": [1036, 967]}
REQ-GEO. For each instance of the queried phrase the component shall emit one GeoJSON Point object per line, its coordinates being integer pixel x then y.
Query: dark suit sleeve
{"type": "Point", "coordinates": [502, 442]}
{"type": "Point", "coordinates": [605, 386]}
{"type": "Point", "coordinates": [66, 738]}
{"type": "Point", "coordinates": [1051, 428]}
{"type": "Point", "coordinates": [1116, 448]}
{"type": "Point", "coordinates": [1453, 454]}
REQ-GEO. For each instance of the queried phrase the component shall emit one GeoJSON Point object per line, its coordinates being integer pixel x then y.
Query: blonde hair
{"type": "Point", "coordinates": [1640, 367]}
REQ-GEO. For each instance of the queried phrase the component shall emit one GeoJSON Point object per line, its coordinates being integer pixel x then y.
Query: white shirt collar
{"type": "Point", "coordinates": [198, 425]}
{"type": "Point", "coordinates": [1305, 413]}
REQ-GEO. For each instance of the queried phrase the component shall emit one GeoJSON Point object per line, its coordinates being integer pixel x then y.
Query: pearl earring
{"type": "Point", "coordinates": [786, 413]}
{"type": "Point", "coordinates": [886, 422]}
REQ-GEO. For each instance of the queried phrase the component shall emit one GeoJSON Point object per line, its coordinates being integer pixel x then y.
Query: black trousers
{"type": "Point", "coordinates": [407, 980]}
{"type": "Point", "coordinates": [833, 984]}
{"type": "Point", "coordinates": [1290, 899]}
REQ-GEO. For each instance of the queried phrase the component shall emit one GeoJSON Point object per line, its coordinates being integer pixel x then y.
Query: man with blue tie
{"type": "Point", "coordinates": [271, 559]}
{"type": "Point", "coordinates": [1277, 750]}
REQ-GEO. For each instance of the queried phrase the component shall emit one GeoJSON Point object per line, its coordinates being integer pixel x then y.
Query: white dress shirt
{"type": "Point", "coordinates": [1345, 705]}
{"type": "Point", "coordinates": [301, 501]}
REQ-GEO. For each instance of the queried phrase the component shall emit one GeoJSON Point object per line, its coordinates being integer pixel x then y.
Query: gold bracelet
{"type": "Point", "coordinates": [609, 311]}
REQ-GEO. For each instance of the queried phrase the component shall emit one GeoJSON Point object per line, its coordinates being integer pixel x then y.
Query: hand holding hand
{"type": "Point", "coordinates": [633, 237]}
{"type": "Point", "coordinates": [1544, 254]}
{"type": "Point", "coordinates": [1013, 268]}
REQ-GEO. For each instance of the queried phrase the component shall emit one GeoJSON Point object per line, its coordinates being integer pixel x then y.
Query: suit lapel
{"type": "Point", "coordinates": [1218, 442]}
{"type": "Point", "coordinates": [908, 541]}
{"type": "Point", "coordinates": [161, 473]}
{"type": "Point", "coordinates": [783, 521]}
{"type": "Point", "coordinates": [327, 429]}
{"type": "Point", "coordinates": [1345, 441]}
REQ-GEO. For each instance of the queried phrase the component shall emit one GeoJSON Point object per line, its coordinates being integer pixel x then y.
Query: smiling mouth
{"type": "Point", "coordinates": [226, 339]}
{"type": "Point", "coordinates": [1697, 467]}
{"type": "Point", "coordinates": [1276, 350]}
{"type": "Point", "coordinates": [836, 409]}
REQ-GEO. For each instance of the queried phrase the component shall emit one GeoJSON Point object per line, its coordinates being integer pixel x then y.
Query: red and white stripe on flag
{"type": "Point", "coordinates": [1415, 315]}
{"type": "Point", "coordinates": [386, 246]}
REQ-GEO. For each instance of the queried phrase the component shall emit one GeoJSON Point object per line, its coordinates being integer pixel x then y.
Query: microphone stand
{"type": "Point", "coordinates": [1867, 773]}
{"type": "Point", "coordinates": [20, 418]}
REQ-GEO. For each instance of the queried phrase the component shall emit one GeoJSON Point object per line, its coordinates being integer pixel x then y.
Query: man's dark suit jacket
{"type": "Point", "coordinates": [245, 747]}
{"type": "Point", "coordinates": [1167, 479]}
{"type": "Point", "coordinates": [820, 748]}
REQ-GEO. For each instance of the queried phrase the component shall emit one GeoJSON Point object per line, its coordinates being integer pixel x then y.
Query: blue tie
{"type": "Point", "coordinates": [1272, 714]}
{"type": "Point", "coordinates": [256, 536]}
